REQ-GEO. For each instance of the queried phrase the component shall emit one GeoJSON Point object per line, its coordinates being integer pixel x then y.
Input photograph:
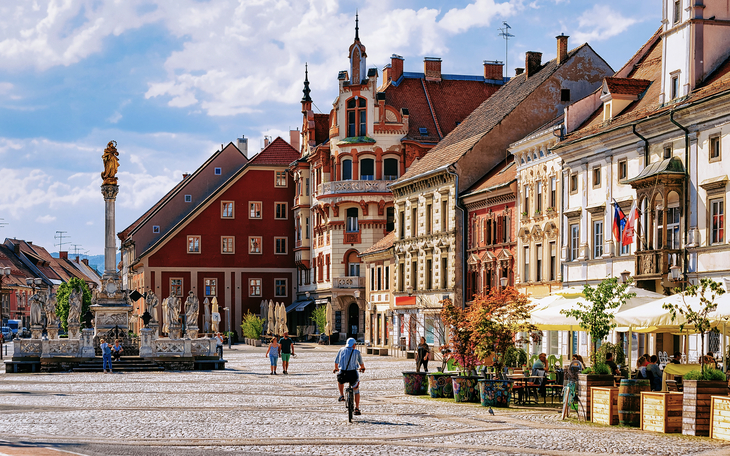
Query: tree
{"type": "Point", "coordinates": [496, 319]}
{"type": "Point", "coordinates": [319, 317]}
{"type": "Point", "coordinates": [252, 325]}
{"type": "Point", "coordinates": [595, 314]}
{"type": "Point", "coordinates": [699, 318]}
{"type": "Point", "coordinates": [64, 290]}
{"type": "Point", "coordinates": [461, 342]}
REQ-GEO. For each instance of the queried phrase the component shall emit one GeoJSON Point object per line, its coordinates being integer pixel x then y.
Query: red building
{"type": "Point", "coordinates": [491, 239]}
{"type": "Point", "coordinates": [234, 245]}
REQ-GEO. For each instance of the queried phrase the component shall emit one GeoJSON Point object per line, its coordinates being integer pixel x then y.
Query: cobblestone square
{"type": "Point", "coordinates": [244, 410]}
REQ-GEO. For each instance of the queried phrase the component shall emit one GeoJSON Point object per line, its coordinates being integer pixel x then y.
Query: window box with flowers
{"type": "Point", "coordinates": [524, 214]}
{"type": "Point", "coordinates": [538, 213]}
{"type": "Point", "coordinates": [550, 210]}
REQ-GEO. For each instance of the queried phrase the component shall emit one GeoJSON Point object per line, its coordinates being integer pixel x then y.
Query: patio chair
{"type": "Point", "coordinates": [556, 389]}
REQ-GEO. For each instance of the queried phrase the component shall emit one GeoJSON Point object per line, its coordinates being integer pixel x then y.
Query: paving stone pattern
{"type": "Point", "coordinates": [244, 409]}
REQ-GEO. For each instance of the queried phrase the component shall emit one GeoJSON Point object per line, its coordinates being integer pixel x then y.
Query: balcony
{"type": "Point", "coordinates": [653, 264]}
{"type": "Point", "coordinates": [352, 237]}
{"type": "Point", "coordinates": [353, 186]}
{"type": "Point", "coordinates": [349, 282]}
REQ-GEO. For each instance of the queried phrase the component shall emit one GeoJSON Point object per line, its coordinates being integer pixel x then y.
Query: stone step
{"type": "Point", "coordinates": [121, 369]}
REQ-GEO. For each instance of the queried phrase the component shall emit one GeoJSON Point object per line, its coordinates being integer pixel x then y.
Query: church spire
{"type": "Point", "coordinates": [306, 89]}
{"type": "Point", "coordinates": [357, 27]}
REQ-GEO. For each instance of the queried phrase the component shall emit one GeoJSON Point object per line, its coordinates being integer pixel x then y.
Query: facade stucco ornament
{"type": "Point", "coordinates": [536, 233]}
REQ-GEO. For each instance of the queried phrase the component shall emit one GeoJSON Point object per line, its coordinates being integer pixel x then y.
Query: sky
{"type": "Point", "coordinates": [172, 80]}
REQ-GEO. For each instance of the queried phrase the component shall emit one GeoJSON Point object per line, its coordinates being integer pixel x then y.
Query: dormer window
{"type": "Point", "coordinates": [217, 171]}
{"type": "Point", "coordinates": [188, 198]}
{"type": "Point", "coordinates": [423, 131]}
{"type": "Point", "coordinates": [356, 117]}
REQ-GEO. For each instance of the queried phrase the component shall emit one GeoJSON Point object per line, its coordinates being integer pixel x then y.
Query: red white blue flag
{"type": "Point", "coordinates": [628, 235]}
{"type": "Point", "coordinates": [619, 221]}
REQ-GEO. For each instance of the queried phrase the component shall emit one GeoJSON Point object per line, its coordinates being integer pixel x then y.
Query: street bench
{"type": "Point", "coordinates": [15, 366]}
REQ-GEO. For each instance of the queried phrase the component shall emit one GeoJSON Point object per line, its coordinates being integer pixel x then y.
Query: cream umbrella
{"type": "Point", "coordinates": [328, 325]}
{"type": "Point", "coordinates": [270, 326]}
{"type": "Point", "coordinates": [279, 325]}
{"type": "Point", "coordinates": [284, 325]}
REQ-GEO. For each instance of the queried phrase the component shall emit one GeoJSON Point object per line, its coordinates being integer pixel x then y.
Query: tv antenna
{"type": "Point", "coordinates": [60, 235]}
{"type": "Point", "coordinates": [504, 33]}
{"type": "Point", "coordinates": [77, 248]}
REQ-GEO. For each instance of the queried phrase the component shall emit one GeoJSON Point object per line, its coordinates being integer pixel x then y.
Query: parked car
{"type": "Point", "coordinates": [7, 333]}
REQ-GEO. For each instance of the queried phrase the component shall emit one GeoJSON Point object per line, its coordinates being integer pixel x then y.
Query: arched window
{"type": "Point", "coordinates": [353, 264]}
{"type": "Point", "coordinates": [352, 226]}
{"type": "Point", "coordinates": [367, 169]}
{"type": "Point", "coordinates": [346, 169]}
{"type": "Point", "coordinates": [390, 169]}
{"type": "Point", "coordinates": [356, 117]}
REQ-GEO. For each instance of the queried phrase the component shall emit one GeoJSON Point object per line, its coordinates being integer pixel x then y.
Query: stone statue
{"type": "Point", "coordinates": [151, 302]}
{"type": "Point", "coordinates": [173, 311]}
{"type": "Point", "coordinates": [192, 307]}
{"type": "Point", "coordinates": [75, 300]}
{"type": "Point", "coordinates": [206, 318]}
{"type": "Point", "coordinates": [165, 317]}
{"type": "Point", "coordinates": [50, 308]}
{"type": "Point", "coordinates": [111, 163]}
{"type": "Point", "coordinates": [36, 310]}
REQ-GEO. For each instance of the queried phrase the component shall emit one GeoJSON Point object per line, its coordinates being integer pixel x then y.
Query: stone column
{"type": "Point", "coordinates": [109, 191]}
{"type": "Point", "coordinates": [87, 343]}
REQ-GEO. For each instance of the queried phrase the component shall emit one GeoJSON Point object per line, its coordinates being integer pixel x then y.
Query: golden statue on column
{"type": "Point", "coordinates": [111, 163]}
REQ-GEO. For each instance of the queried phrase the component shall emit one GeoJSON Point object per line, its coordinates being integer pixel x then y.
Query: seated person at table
{"type": "Point", "coordinates": [710, 360]}
{"type": "Point", "coordinates": [646, 359]}
{"type": "Point", "coordinates": [676, 359]}
{"type": "Point", "coordinates": [540, 363]}
{"type": "Point", "coordinates": [640, 368]}
{"type": "Point", "coordinates": [612, 364]}
{"type": "Point", "coordinates": [656, 373]}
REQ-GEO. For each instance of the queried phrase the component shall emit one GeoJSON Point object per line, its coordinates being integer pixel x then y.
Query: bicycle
{"type": "Point", "coordinates": [349, 401]}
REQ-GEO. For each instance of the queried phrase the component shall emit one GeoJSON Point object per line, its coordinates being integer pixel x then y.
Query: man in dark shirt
{"type": "Point", "coordinates": [611, 364]}
{"type": "Point", "coordinates": [287, 349]}
{"type": "Point", "coordinates": [656, 373]}
{"type": "Point", "coordinates": [677, 359]}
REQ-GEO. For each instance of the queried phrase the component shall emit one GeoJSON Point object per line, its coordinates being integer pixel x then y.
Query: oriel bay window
{"type": "Point", "coordinates": [357, 117]}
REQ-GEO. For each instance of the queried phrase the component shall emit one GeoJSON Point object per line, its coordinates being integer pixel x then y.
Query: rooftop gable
{"type": "Point", "coordinates": [277, 153]}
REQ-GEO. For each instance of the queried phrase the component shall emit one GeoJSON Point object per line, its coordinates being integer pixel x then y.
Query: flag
{"type": "Point", "coordinates": [619, 220]}
{"type": "Point", "coordinates": [628, 236]}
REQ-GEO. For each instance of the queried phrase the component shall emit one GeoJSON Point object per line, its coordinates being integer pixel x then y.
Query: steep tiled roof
{"type": "Point", "coordinates": [18, 270]}
{"type": "Point", "coordinates": [382, 245]}
{"type": "Point", "coordinates": [482, 120]}
{"type": "Point", "coordinates": [627, 86]}
{"type": "Point", "coordinates": [451, 101]}
{"type": "Point", "coordinates": [277, 153]}
{"type": "Point", "coordinates": [501, 175]}
{"type": "Point", "coordinates": [123, 234]}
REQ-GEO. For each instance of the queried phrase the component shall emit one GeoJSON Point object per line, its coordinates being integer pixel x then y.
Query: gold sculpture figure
{"type": "Point", "coordinates": [111, 163]}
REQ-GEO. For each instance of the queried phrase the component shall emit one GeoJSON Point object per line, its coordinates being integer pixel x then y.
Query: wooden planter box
{"type": "Point", "coordinates": [604, 405]}
{"type": "Point", "coordinates": [661, 412]}
{"type": "Point", "coordinates": [586, 382]}
{"type": "Point", "coordinates": [696, 406]}
{"type": "Point", "coordinates": [720, 412]}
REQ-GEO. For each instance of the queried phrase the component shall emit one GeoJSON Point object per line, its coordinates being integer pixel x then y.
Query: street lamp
{"type": "Point", "coordinates": [228, 315]}
{"type": "Point", "coordinates": [503, 281]}
{"type": "Point", "coordinates": [4, 272]}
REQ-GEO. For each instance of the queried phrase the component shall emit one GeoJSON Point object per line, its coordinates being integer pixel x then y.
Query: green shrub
{"type": "Point", "coordinates": [707, 374]}
{"type": "Point", "coordinates": [598, 369]}
{"type": "Point", "coordinates": [619, 357]}
{"type": "Point", "coordinates": [515, 357]}
{"type": "Point", "coordinates": [252, 326]}
{"type": "Point", "coordinates": [319, 318]}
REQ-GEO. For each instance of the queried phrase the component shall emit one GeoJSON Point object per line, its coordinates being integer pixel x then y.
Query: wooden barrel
{"type": "Point", "coordinates": [629, 401]}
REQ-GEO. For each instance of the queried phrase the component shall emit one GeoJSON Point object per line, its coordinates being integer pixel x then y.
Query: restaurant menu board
{"type": "Point", "coordinates": [338, 320]}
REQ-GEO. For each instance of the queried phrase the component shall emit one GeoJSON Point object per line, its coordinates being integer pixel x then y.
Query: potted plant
{"type": "Point", "coordinates": [252, 326]}
{"type": "Point", "coordinates": [495, 321]}
{"type": "Point", "coordinates": [524, 214]}
{"type": "Point", "coordinates": [461, 345]}
{"type": "Point", "coordinates": [550, 209]}
{"type": "Point", "coordinates": [595, 316]}
{"type": "Point", "coordinates": [700, 385]}
{"type": "Point", "coordinates": [537, 213]}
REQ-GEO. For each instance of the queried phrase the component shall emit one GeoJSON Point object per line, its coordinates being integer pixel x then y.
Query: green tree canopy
{"type": "Point", "coordinates": [64, 290]}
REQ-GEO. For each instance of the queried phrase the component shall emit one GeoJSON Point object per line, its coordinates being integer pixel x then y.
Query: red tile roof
{"type": "Point", "coordinates": [627, 86]}
{"type": "Point", "coordinates": [500, 176]}
{"type": "Point", "coordinates": [382, 245]}
{"type": "Point", "coordinates": [277, 153]}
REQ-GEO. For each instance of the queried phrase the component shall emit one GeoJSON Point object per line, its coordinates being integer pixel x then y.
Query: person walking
{"type": "Point", "coordinates": [287, 350]}
{"type": "Point", "coordinates": [106, 355]}
{"type": "Point", "coordinates": [423, 355]}
{"type": "Point", "coordinates": [273, 354]}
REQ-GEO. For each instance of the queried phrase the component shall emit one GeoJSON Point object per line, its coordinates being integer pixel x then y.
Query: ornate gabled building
{"type": "Point", "coordinates": [373, 133]}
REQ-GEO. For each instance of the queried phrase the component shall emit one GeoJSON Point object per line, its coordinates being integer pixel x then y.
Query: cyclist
{"type": "Point", "coordinates": [347, 360]}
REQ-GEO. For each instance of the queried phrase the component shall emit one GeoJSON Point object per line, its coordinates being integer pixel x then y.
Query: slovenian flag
{"type": "Point", "coordinates": [619, 221]}
{"type": "Point", "coordinates": [628, 235]}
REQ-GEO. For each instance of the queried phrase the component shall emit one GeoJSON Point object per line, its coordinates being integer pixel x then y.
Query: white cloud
{"type": "Point", "coordinates": [601, 23]}
{"type": "Point", "coordinates": [46, 219]}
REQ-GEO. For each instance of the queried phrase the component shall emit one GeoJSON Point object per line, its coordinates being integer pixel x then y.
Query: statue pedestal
{"type": "Point", "coordinates": [155, 327]}
{"type": "Point", "coordinates": [111, 308]}
{"type": "Point", "coordinates": [147, 338]}
{"type": "Point", "coordinates": [52, 333]}
{"type": "Point", "coordinates": [87, 343]}
{"type": "Point", "coordinates": [36, 332]}
{"type": "Point", "coordinates": [192, 331]}
{"type": "Point", "coordinates": [73, 330]}
{"type": "Point", "coordinates": [175, 332]}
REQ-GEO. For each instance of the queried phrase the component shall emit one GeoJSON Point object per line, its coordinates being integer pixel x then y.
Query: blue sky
{"type": "Point", "coordinates": [171, 81]}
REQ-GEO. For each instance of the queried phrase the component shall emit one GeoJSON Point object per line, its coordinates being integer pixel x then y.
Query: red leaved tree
{"type": "Point", "coordinates": [461, 342]}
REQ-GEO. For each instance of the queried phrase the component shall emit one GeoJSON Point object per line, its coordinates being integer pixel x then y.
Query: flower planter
{"type": "Point", "coordinates": [696, 404]}
{"type": "Point", "coordinates": [585, 383]}
{"type": "Point", "coordinates": [415, 383]}
{"type": "Point", "coordinates": [465, 388]}
{"type": "Point", "coordinates": [495, 393]}
{"type": "Point", "coordinates": [661, 412]}
{"type": "Point", "coordinates": [440, 385]}
{"type": "Point", "coordinates": [720, 412]}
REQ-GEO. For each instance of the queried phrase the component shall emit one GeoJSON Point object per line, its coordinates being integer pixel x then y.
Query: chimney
{"type": "Point", "coordinates": [396, 67]}
{"type": "Point", "coordinates": [242, 144]}
{"type": "Point", "coordinates": [519, 71]}
{"type": "Point", "coordinates": [266, 142]}
{"type": "Point", "coordinates": [63, 255]}
{"type": "Point", "coordinates": [493, 70]}
{"type": "Point", "coordinates": [533, 60]}
{"type": "Point", "coordinates": [294, 138]}
{"type": "Point", "coordinates": [432, 68]}
{"type": "Point", "coordinates": [185, 176]}
{"type": "Point", "coordinates": [387, 73]}
{"type": "Point", "coordinates": [85, 261]}
{"type": "Point", "coordinates": [562, 48]}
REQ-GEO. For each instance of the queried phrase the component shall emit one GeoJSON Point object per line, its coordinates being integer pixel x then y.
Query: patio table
{"type": "Point", "coordinates": [676, 369]}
